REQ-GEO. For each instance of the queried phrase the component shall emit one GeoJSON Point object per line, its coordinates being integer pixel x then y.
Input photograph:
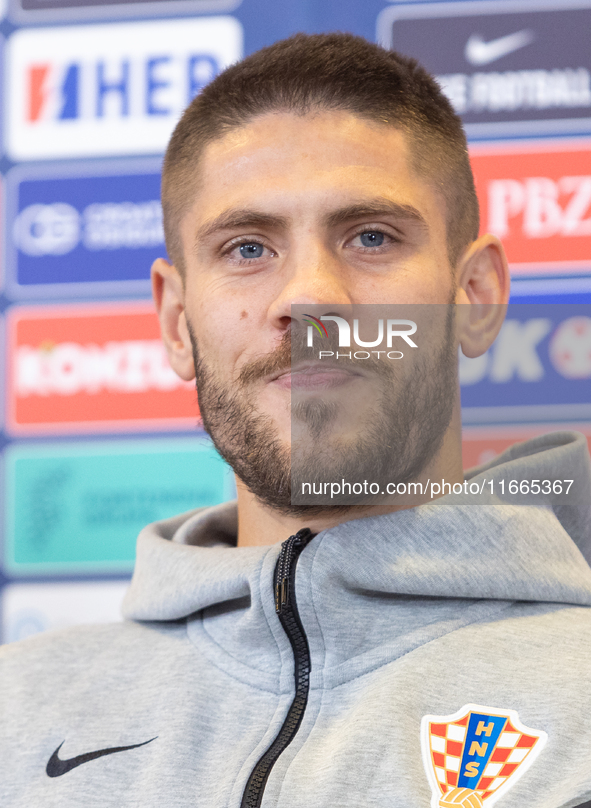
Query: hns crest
{"type": "Point", "coordinates": [473, 757]}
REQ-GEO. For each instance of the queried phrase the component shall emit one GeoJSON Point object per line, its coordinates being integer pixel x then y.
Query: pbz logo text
{"type": "Point", "coordinates": [538, 201]}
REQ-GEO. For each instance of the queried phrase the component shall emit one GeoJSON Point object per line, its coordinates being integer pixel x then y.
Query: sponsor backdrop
{"type": "Point", "coordinates": [98, 436]}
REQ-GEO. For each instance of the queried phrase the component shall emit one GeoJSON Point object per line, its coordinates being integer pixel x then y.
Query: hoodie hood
{"type": "Point", "coordinates": [371, 590]}
{"type": "Point", "coordinates": [452, 547]}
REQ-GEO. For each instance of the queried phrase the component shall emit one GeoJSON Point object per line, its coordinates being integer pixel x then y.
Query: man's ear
{"type": "Point", "coordinates": [169, 297]}
{"type": "Point", "coordinates": [483, 288]}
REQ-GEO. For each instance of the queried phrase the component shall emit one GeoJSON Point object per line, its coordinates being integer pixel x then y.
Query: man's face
{"type": "Point", "coordinates": [316, 210]}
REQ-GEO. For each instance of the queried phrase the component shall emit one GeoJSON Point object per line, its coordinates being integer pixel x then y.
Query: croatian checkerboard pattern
{"type": "Point", "coordinates": [446, 741]}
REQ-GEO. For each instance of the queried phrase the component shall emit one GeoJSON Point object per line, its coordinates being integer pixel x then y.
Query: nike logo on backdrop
{"type": "Point", "coordinates": [56, 767]}
{"type": "Point", "coordinates": [479, 52]}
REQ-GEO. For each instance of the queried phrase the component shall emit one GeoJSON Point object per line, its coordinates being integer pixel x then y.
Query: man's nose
{"type": "Point", "coordinates": [311, 279]}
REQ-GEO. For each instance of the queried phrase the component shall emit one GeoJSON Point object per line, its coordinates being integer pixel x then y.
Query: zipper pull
{"type": "Point", "coordinates": [284, 565]}
{"type": "Point", "coordinates": [284, 592]}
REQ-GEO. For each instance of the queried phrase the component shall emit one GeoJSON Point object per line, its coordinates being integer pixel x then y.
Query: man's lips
{"type": "Point", "coordinates": [314, 376]}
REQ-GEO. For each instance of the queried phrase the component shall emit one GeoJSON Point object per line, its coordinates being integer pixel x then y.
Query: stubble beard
{"type": "Point", "coordinates": [401, 433]}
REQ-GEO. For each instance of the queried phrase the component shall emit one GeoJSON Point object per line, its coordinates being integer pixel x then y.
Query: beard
{"type": "Point", "coordinates": [400, 431]}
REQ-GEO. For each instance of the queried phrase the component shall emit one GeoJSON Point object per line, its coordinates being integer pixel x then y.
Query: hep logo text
{"type": "Point", "coordinates": [158, 85]}
{"type": "Point", "coordinates": [112, 88]}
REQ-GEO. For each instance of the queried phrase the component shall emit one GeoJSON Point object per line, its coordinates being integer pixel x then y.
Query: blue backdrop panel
{"type": "Point", "coordinates": [92, 90]}
{"type": "Point", "coordinates": [82, 234]}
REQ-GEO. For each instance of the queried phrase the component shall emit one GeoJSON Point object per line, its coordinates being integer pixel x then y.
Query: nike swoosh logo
{"type": "Point", "coordinates": [56, 767]}
{"type": "Point", "coordinates": [479, 52]}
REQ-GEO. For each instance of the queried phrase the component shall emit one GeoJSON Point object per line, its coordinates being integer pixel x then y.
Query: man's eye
{"type": "Point", "coordinates": [371, 238]}
{"type": "Point", "coordinates": [251, 249]}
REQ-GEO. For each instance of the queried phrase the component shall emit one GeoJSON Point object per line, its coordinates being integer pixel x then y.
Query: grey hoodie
{"type": "Point", "coordinates": [430, 657]}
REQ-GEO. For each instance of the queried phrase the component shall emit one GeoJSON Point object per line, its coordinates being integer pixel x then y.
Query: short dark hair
{"type": "Point", "coordinates": [339, 72]}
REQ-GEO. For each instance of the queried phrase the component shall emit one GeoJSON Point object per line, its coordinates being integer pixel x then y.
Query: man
{"type": "Point", "coordinates": [403, 650]}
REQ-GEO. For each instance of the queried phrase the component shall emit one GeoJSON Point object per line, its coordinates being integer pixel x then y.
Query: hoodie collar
{"type": "Point", "coordinates": [452, 547]}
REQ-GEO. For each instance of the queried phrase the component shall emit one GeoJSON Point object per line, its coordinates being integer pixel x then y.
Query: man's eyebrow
{"type": "Point", "coordinates": [374, 209]}
{"type": "Point", "coordinates": [246, 219]}
{"type": "Point", "coordinates": [239, 219]}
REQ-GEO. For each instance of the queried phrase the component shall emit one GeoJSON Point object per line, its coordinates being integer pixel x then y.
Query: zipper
{"type": "Point", "coordinates": [286, 608]}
